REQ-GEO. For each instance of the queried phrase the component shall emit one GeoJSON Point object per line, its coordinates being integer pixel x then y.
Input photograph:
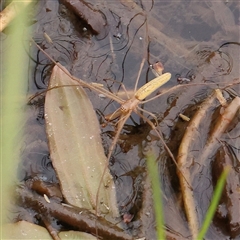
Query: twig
{"type": "Point", "coordinates": [220, 127]}
{"type": "Point", "coordinates": [79, 218]}
{"type": "Point", "coordinates": [52, 231]}
{"type": "Point", "coordinates": [210, 149]}
{"type": "Point", "coordinates": [184, 164]}
{"type": "Point", "coordinates": [86, 11]}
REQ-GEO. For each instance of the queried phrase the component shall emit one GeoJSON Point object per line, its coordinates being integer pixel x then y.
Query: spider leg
{"type": "Point", "coordinates": [121, 123]}
{"type": "Point", "coordinates": [149, 113]}
{"type": "Point", "coordinates": [162, 140]}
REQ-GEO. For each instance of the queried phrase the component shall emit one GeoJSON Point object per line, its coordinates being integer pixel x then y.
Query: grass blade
{"type": "Point", "coordinates": [13, 74]}
{"type": "Point", "coordinates": [214, 203]}
{"type": "Point", "coordinates": [157, 199]}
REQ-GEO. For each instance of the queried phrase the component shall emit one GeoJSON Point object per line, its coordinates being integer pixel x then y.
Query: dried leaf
{"type": "Point", "coordinates": [75, 145]}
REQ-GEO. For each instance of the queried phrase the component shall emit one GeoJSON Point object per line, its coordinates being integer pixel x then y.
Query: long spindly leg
{"type": "Point", "coordinates": [225, 85]}
{"type": "Point", "coordinates": [149, 113]}
{"type": "Point", "coordinates": [139, 73]}
{"type": "Point", "coordinates": [119, 93]}
{"type": "Point", "coordinates": [136, 83]}
{"type": "Point", "coordinates": [163, 142]}
{"type": "Point", "coordinates": [81, 82]}
{"type": "Point", "coordinates": [159, 135]}
{"type": "Point", "coordinates": [120, 125]}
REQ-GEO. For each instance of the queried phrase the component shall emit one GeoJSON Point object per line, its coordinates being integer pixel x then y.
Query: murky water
{"type": "Point", "coordinates": [198, 41]}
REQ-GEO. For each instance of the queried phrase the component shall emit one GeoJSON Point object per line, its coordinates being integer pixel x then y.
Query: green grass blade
{"type": "Point", "coordinates": [157, 199]}
{"type": "Point", "coordinates": [13, 90]}
{"type": "Point", "coordinates": [214, 203]}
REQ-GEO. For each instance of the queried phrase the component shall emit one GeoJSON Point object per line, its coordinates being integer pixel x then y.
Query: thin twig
{"type": "Point", "coordinates": [79, 218]}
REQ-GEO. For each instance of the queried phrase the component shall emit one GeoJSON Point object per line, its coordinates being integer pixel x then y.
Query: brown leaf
{"type": "Point", "coordinates": [75, 145]}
